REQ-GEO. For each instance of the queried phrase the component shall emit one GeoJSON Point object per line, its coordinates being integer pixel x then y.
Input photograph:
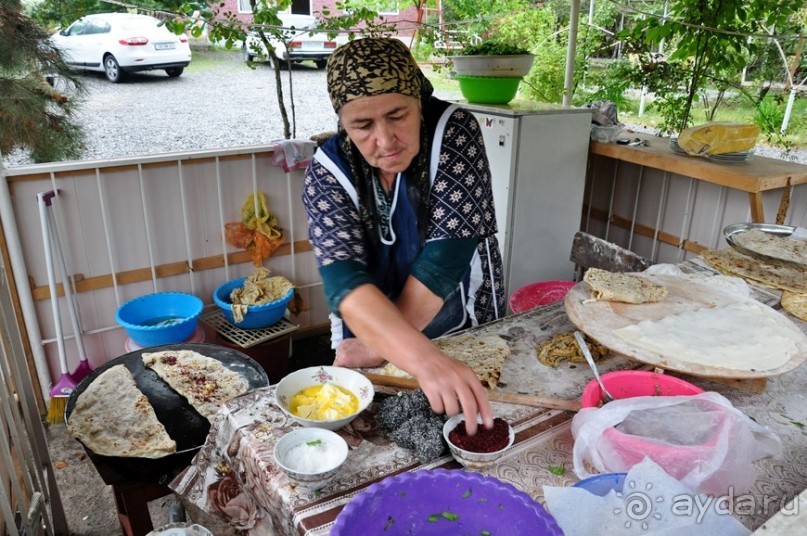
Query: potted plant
{"type": "Point", "coordinates": [490, 72]}
{"type": "Point", "coordinates": [493, 58]}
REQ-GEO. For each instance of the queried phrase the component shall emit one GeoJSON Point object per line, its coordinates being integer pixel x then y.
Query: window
{"type": "Point", "coordinates": [244, 6]}
{"type": "Point", "coordinates": [387, 7]}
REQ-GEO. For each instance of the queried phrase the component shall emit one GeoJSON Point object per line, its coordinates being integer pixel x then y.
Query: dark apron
{"type": "Point", "coordinates": [389, 266]}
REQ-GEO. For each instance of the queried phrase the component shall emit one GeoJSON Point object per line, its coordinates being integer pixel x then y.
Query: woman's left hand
{"type": "Point", "coordinates": [353, 353]}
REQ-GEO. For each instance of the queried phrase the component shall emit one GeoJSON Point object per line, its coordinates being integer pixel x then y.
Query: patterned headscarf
{"type": "Point", "coordinates": [374, 66]}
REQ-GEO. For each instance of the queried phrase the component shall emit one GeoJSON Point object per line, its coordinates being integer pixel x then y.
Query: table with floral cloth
{"type": "Point", "coordinates": [234, 475]}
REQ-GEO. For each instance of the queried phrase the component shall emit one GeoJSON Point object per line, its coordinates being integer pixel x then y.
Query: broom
{"type": "Point", "coordinates": [84, 368]}
{"type": "Point", "coordinates": [65, 385]}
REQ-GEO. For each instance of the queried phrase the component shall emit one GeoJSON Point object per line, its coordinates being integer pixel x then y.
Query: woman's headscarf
{"type": "Point", "coordinates": [376, 66]}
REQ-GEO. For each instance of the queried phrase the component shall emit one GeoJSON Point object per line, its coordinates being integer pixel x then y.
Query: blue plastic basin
{"type": "Point", "coordinates": [602, 484]}
{"type": "Point", "coordinates": [257, 316]}
{"type": "Point", "coordinates": [160, 318]}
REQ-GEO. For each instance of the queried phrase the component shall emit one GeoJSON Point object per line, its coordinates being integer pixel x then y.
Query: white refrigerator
{"type": "Point", "coordinates": [538, 158]}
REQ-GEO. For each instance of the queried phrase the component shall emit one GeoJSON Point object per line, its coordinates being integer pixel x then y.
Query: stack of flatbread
{"type": "Point", "coordinates": [621, 287]}
{"type": "Point", "coordinates": [766, 273]}
{"type": "Point", "coordinates": [778, 247]}
{"type": "Point", "coordinates": [485, 355]}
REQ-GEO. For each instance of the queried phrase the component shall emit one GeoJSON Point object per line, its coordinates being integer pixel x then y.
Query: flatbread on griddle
{"type": "Point", "coordinates": [485, 355]}
{"type": "Point", "coordinates": [767, 273]}
{"type": "Point", "coordinates": [620, 287]}
{"type": "Point", "coordinates": [112, 417]}
{"type": "Point", "coordinates": [202, 380]}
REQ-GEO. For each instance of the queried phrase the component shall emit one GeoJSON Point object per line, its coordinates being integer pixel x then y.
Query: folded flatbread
{"type": "Point", "coordinates": [620, 287]}
{"type": "Point", "coordinates": [202, 380]}
{"type": "Point", "coordinates": [767, 273]}
{"type": "Point", "coordinates": [112, 417]}
{"type": "Point", "coordinates": [795, 304]}
{"type": "Point", "coordinates": [485, 355]}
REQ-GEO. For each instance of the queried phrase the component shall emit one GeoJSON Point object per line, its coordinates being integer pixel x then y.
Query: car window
{"type": "Point", "coordinates": [78, 28]}
{"type": "Point", "coordinates": [99, 27]}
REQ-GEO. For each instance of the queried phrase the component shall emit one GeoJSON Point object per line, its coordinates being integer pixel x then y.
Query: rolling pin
{"type": "Point", "coordinates": [496, 396]}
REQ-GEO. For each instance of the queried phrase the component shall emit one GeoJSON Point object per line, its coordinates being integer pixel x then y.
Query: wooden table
{"type": "Point", "coordinates": [755, 176]}
{"type": "Point", "coordinates": [234, 475]}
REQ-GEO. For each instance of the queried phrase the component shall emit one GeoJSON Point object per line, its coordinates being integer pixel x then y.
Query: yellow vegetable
{"type": "Point", "coordinates": [718, 138]}
{"type": "Point", "coordinates": [324, 402]}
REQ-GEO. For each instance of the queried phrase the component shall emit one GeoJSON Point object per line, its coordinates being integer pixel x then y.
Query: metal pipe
{"type": "Point", "coordinates": [221, 222]}
{"type": "Point", "coordinates": [571, 52]}
{"type": "Point", "coordinates": [147, 227]}
{"type": "Point", "coordinates": [108, 239]}
{"type": "Point", "coordinates": [20, 273]}
{"type": "Point", "coordinates": [635, 207]}
{"type": "Point", "coordinates": [186, 227]}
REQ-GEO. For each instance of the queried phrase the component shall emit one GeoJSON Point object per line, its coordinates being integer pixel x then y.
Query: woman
{"type": "Point", "coordinates": [400, 213]}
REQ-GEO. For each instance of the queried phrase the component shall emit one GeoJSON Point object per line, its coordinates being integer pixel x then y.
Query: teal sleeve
{"type": "Point", "coordinates": [443, 263]}
{"type": "Point", "coordinates": [341, 277]}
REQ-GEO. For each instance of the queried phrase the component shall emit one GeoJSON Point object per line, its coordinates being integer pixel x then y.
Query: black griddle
{"type": "Point", "coordinates": [181, 420]}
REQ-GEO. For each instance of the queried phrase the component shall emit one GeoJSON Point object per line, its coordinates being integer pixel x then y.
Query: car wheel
{"type": "Point", "coordinates": [247, 56]}
{"type": "Point", "coordinates": [174, 71]}
{"type": "Point", "coordinates": [112, 70]}
{"type": "Point", "coordinates": [321, 64]}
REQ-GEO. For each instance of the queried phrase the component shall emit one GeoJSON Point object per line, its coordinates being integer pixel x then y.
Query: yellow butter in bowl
{"type": "Point", "coordinates": [324, 402]}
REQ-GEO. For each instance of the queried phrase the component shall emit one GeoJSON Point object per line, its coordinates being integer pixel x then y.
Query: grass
{"type": "Point", "coordinates": [738, 109]}
{"type": "Point", "coordinates": [208, 59]}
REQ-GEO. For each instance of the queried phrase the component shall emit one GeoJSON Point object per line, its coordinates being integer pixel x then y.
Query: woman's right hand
{"type": "Point", "coordinates": [451, 387]}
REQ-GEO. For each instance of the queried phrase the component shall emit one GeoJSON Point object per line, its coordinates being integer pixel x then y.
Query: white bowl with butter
{"type": "Point", "coordinates": [324, 397]}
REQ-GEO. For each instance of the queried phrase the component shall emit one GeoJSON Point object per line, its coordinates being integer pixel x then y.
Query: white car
{"type": "Point", "coordinates": [117, 43]}
{"type": "Point", "coordinates": [302, 44]}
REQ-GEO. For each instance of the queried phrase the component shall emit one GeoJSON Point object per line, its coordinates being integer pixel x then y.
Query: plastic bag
{"type": "Point", "coordinates": [257, 232]}
{"type": "Point", "coordinates": [718, 138]}
{"type": "Point", "coordinates": [701, 440]}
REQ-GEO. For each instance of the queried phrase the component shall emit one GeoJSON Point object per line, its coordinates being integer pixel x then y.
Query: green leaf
{"type": "Point", "coordinates": [315, 443]}
{"type": "Point", "coordinates": [467, 493]}
{"type": "Point", "coordinates": [557, 470]}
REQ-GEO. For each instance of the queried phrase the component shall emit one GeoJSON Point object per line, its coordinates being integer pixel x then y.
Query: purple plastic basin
{"type": "Point", "coordinates": [440, 502]}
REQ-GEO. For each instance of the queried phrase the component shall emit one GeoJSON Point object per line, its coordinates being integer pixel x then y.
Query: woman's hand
{"type": "Point", "coordinates": [451, 387]}
{"type": "Point", "coordinates": [352, 353]}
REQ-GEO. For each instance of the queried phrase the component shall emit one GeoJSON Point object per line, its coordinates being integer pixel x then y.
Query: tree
{"type": "Point", "coordinates": [710, 48]}
{"type": "Point", "coordinates": [34, 114]}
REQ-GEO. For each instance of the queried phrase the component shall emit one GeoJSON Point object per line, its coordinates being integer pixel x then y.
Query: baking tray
{"type": "Point", "coordinates": [181, 420]}
{"type": "Point", "coordinates": [730, 231]}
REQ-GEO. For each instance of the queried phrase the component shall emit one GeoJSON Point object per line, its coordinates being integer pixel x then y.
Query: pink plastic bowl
{"type": "Point", "coordinates": [538, 294]}
{"type": "Point", "coordinates": [630, 383]}
{"type": "Point", "coordinates": [676, 460]}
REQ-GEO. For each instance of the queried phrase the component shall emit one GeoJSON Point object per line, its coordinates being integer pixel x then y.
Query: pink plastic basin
{"type": "Point", "coordinates": [676, 460]}
{"type": "Point", "coordinates": [538, 294]}
{"type": "Point", "coordinates": [630, 383]}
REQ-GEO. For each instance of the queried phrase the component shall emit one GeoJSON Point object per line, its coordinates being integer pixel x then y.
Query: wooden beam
{"type": "Point", "coordinates": [163, 270]}
{"type": "Point", "coordinates": [650, 232]}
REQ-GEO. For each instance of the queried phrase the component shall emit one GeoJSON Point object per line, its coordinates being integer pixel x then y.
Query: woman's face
{"type": "Point", "coordinates": [385, 128]}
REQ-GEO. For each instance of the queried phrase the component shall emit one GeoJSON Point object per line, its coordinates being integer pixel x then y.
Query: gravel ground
{"type": "Point", "coordinates": [215, 104]}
